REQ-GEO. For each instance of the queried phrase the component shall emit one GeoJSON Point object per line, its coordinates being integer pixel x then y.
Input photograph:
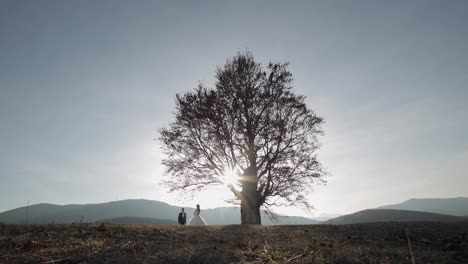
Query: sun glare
{"type": "Point", "coordinates": [230, 177]}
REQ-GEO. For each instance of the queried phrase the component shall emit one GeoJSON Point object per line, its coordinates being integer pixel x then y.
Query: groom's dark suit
{"type": "Point", "coordinates": [182, 218]}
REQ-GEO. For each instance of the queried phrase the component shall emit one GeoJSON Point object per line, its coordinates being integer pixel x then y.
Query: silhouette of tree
{"type": "Point", "coordinates": [251, 124]}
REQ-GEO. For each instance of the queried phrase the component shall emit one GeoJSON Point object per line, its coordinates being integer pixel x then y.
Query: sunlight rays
{"type": "Point", "coordinates": [230, 177]}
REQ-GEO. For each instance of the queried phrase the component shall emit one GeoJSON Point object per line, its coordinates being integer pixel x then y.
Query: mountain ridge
{"type": "Point", "coordinates": [136, 208]}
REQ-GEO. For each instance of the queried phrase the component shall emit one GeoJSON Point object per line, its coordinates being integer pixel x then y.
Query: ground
{"type": "Point", "coordinates": [360, 243]}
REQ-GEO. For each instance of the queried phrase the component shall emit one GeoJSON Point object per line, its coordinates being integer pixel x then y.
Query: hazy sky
{"type": "Point", "coordinates": [84, 86]}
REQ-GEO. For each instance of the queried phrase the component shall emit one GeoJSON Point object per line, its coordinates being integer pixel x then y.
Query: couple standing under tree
{"type": "Point", "coordinates": [196, 219]}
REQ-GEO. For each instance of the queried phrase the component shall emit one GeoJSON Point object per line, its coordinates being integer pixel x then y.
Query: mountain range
{"type": "Point", "coordinates": [392, 215]}
{"type": "Point", "coordinates": [420, 209]}
{"type": "Point", "coordinates": [450, 206]}
{"type": "Point", "coordinates": [139, 211]}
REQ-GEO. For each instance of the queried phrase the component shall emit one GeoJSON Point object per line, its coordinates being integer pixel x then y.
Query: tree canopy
{"type": "Point", "coordinates": [251, 124]}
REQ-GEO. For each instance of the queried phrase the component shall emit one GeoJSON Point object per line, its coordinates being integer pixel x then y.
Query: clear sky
{"type": "Point", "coordinates": [84, 86]}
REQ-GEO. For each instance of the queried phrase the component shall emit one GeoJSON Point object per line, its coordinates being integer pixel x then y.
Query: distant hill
{"type": "Point", "coordinates": [51, 213]}
{"type": "Point", "coordinates": [391, 215]}
{"type": "Point", "coordinates": [451, 206]}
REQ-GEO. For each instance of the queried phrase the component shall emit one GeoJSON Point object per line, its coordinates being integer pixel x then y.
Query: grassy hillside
{"type": "Point", "coordinates": [390, 215]}
{"type": "Point", "coordinates": [139, 221]}
{"type": "Point", "coordinates": [363, 243]}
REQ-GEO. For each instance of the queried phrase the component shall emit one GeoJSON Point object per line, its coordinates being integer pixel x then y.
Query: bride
{"type": "Point", "coordinates": [196, 219]}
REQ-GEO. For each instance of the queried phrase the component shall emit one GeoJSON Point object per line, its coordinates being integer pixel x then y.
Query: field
{"type": "Point", "coordinates": [359, 243]}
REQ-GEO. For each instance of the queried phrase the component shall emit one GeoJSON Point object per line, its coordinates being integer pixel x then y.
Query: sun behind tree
{"type": "Point", "coordinates": [250, 131]}
{"type": "Point", "coordinates": [230, 177]}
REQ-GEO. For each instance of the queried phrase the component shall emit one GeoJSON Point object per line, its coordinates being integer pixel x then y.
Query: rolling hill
{"type": "Point", "coordinates": [450, 206]}
{"type": "Point", "coordinates": [391, 215]}
{"type": "Point", "coordinates": [51, 213]}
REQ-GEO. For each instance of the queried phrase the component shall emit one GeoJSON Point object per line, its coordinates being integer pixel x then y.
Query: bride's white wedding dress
{"type": "Point", "coordinates": [196, 219]}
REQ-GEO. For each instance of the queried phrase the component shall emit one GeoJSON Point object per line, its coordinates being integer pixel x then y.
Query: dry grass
{"type": "Point", "coordinates": [364, 243]}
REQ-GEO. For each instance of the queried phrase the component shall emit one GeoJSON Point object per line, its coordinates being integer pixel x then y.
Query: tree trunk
{"type": "Point", "coordinates": [250, 209]}
{"type": "Point", "coordinates": [250, 215]}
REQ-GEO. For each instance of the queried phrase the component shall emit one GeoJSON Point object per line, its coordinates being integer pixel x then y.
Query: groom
{"type": "Point", "coordinates": [182, 217]}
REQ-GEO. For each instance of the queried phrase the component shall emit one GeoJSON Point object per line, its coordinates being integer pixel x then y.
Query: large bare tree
{"type": "Point", "coordinates": [251, 124]}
